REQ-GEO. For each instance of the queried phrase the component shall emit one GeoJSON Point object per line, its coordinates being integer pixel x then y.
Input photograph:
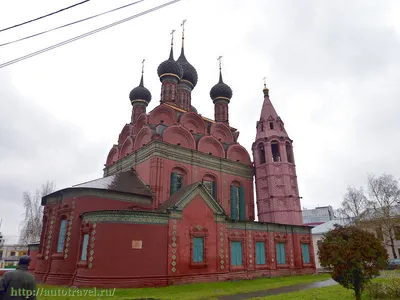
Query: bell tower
{"type": "Point", "coordinates": [277, 192]}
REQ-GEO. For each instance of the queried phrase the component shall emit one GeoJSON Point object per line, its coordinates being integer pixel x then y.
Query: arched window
{"type": "Point", "coordinates": [210, 184]}
{"type": "Point", "coordinates": [271, 125]}
{"type": "Point", "coordinates": [61, 235]}
{"type": "Point", "coordinates": [276, 156]}
{"type": "Point", "coordinates": [177, 180]}
{"type": "Point", "coordinates": [238, 203]}
{"type": "Point", "coordinates": [85, 243]}
{"type": "Point", "coordinates": [289, 153]}
{"type": "Point", "coordinates": [261, 153]}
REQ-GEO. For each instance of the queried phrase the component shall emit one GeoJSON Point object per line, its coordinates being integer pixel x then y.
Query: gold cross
{"type": "Point", "coordinates": [172, 37]}
{"type": "Point", "coordinates": [265, 82]}
{"type": "Point", "coordinates": [143, 65]}
{"type": "Point", "coordinates": [219, 59]}
{"type": "Point", "coordinates": [183, 25]}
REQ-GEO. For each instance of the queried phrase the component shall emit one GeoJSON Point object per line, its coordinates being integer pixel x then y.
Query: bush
{"type": "Point", "coordinates": [389, 288]}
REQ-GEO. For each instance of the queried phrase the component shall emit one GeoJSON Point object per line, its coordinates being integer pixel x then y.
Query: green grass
{"type": "Point", "coordinates": [336, 292]}
{"type": "Point", "coordinates": [199, 290]}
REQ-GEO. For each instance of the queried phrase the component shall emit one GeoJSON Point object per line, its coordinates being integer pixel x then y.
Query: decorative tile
{"type": "Point", "coordinates": [250, 256]}
{"type": "Point", "coordinates": [65, 256]}
{"type": "Point", "coordinates": [173, 251]}
{"type": "Point", "coordinates": [222, 267]}
{"type": "Point", "coordinates": [173, 263]}
{"type": "Point", "coordinates": [173, 257]}
{"type": "Point", "coordinates": [221, 255]}
{"type": "Point", "coordinates": [173, 269]}
{"type": "Point", "coordinates": [251, 261]}
{"type": "Point", "coordinates": [221, 239]}
{"type": "Point", "coordinates": [174, 245]}
{"type": "Point", "coordinates": [222, 250]}
{"type": "Point", "coordinates": [94, 225]}
{"type": "Point", "coordinates": [91, 258]}
{"type": "Point", "coordinates": [222, 261]}
{"type": "Point", "coordinates": [91, 252]}
{"type": "Point", "coordinates": [90, 265]}
{"type": "Point", "coordinates": [47, 257]}
{"type": "Point", "coordinates": [174, 221]}
{"type": "Point", "coordinates": [94, 231]}
{"type": "Point", "coordinates": [174, 238]}
{"type": "Point", "coordinates": [174, 227]}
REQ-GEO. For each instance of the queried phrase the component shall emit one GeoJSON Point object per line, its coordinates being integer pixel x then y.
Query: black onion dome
{"type": "Point", "coordinates": [189, 72]}
{"type": "Point", "coordinates": [170, 67]}
{"type": "Point", "coordinates": [140, 93]}
{"type": "Point", "coordinates": [221, 90]}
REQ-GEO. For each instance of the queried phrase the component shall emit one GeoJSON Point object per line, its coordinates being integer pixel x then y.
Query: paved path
{"type": "Point", "coordinates": [280, 290]}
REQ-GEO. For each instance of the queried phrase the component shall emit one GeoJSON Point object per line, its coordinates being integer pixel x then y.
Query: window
{"type": "Point", "coordinates": [262, 154]}
{"type": "Point", "coordinates": [12, 253]}
{"type": "Point", "coordinates": [236, 253]}
{"type": "Point", "coordinates": [260, 253]}
{"type": "Point", "coordinates": [276, 157]}
{"type": "Point", "coordinates": [61, 236]}
{"type": "Point", "coordinates": [85, 246]}
{"type": "Point", "coordinates": [1, 254]}
{"type": "Point", "coordinates": [271, 125]}
{"type": "Point", "coordinates": [176, 182]}
{"type": "Point", "coordinates": [198, 249]}
{"type": "Point", "coordinates": [238, 203]}
{"type": "Point", "coordinates": [262, 126]}
{"type": "Point", "coordinates": [379, 233]}
{"type": "Point", "coordinates": [305, 252]}
{"type": "Point", "coordinates": [289, 153]}
{"type": "Point", "coordinates": [397, 232]}
{"type": "Point", "coordinates": [280, 253]}
{"type": "Point", "coordinates": [211, 187]}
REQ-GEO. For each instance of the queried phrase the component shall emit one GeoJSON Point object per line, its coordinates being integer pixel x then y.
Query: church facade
{"type": "Point", "coordinates": [175, 204]}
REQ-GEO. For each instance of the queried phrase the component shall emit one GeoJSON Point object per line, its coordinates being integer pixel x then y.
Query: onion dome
{"type": "Point", "coordinates": [170, 68]}
{"type": "Point", "coordinates": [140, 93]}
{"type": "Point", "coordinates": [221, 90]}
{"type": "Point", "coordinates": [189, 72]}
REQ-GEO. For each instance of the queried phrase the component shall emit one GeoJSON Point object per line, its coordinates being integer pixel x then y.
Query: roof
{"type": "Point", "coordinates": [372, 213]}
{"type": "Point", "coordinates": [125, 182]}
{"type": "Point", "coordinates": [128, 182]}
{"type": "Point", "coordinates": [327, 226]}
{"type": "Point", "coordinates": [175, 197]}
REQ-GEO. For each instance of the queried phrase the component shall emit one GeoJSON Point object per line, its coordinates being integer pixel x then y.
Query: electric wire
{"type": "Point", "coordinates": [86, 34]}
{"type": "Point", "coordinates": [72, 23]}
{"type": "Point", "coordinates": [42, 17]}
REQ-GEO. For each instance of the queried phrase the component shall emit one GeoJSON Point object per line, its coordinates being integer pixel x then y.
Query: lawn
{"type": "Point", "coordinates": [189, 291]}
{"type": "Point", "coordinates": [336, 292]}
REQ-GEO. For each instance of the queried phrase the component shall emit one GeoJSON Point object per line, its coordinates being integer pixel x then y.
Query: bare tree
{"type": "Point", "coordinates": [385, 195]}
{"type": "Point", "coordinates": [32, 223]}
{"type": "Point", "coordinates": [354, 204]}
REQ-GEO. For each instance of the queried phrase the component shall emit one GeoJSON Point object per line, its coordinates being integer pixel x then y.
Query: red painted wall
{"type": "Point", "coordinates": [114, 260]}
{"type": "Point", "coordinates": [58, 269]}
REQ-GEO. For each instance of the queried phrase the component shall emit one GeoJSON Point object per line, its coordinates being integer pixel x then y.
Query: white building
{"type": "Point", "coordinates": [319, 231]}
{"type": "Point", "coordinates": [317, 215]}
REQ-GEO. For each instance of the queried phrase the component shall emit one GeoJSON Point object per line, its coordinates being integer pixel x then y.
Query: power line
{"type": "Point", "coordinates": [85, 34]}
{"type": "Point", "coordinates": [50, 14]}
{"type": "Point", "coordinates": [69, 24]}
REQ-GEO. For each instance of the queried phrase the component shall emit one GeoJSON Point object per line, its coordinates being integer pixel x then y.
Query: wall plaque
{"type": "Point", "coordinates": [136, 244]}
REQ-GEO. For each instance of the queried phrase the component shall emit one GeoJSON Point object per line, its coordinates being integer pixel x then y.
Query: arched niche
{"type": "Point", "coordinates": [210, 145]}
{"type": "Point", "coordinates": [140, 122]}
{"type": "Point", "coordinates": [179, 135]}
{"type": "Point", "coordinates": [125, 132]}
{"type": "Point", "coordinates": [261, 153]}
{"type": "Point", "coordinates": [289, 152]}
{"type": "Point", "coordinates": [238, 153]}
{"type": "Point", "coordinates": [113, 156]}
{"type": "Point", "coordinates": [221, 132]}
{"type": "Point", "coordinates": [193, 122]}
{"type": "Point", "coordinates": [127, 147]}
{"type": "Point", "coordinates": [142, 138]}
{"type": "Point", "coordinates": [164, 115]}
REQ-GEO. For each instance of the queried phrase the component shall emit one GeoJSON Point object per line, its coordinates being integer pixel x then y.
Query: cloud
{"type": "Point", "coordinates": [36, 147]}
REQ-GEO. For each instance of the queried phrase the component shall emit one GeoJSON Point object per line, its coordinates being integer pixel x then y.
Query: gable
{"type": "Point", "coordinates": [184, 196]}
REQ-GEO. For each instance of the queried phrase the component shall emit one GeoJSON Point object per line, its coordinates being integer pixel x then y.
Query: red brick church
{"type": "Point", "coordinates": [176, 203]}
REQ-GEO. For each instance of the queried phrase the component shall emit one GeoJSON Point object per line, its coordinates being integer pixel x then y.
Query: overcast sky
{"type": "Point", "coordinates": [332, 68]}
